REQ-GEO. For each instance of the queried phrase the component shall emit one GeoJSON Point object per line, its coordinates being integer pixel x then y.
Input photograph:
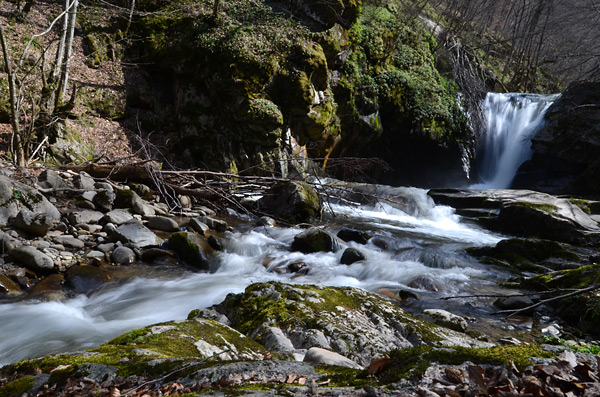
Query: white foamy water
{"type": "Point", "coordinates": [512, 120]}
{"type": "Point", "coordinates": [413, 238]}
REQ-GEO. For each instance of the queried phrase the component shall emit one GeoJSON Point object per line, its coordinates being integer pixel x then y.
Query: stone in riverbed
{"type": "Point", "coordinates": [84, 278]}
{"type": "Point", "coordinates": [215, 224]}
{"type": "Point", "coordinates": [85, 216]}
{"type": "Point", "coordinates": [36, 224]}
{"type": "Point", "coordinates": [357, 236]}
{"type": "Point", "coordinates": [123, 256]}
{"type": "Point", "coordinates": [351, 255]}
{"type": "Point", "coordinates": [83, 181]}
{"type": "Point", "coordinates": [163, 223]}
{"type": "Point", "coordinates": [69, 241]}
{"type": "Point", "coordinates": [189, 247]}
{"type": "Point", "coordinates": [50, 288]}
{"type": "Point", "coordinates": [117, 217]}
{"type": "Point", "coordinates": [136, 233]}
{"type": "Point", "coordinates": [198, 226]}
{"type": "Point", "coordinates": [14, 196]}
{"type": "Point", "coordinates": [292, 201]}
{"type": "Point", "coordinates": [315, 240]}
{"type": "Point", "coordinates": [51, 180]}
{"type": "Point", "coordinates": [104, 200]}
{"type": "Point", "coordinates": [318, 355]}
{"type": "Point", "coordinates": [445, 319]}
{"type": "Point", "coordinates": [8, 286]}
{"type": "Point", "coordinates": [32, 259]}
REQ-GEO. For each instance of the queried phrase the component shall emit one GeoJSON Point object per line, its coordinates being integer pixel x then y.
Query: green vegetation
{"type": "Point", "coordinates": [17, 387]}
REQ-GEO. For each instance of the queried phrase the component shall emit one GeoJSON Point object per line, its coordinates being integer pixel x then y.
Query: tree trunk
{"type": "Point", "coordinates": [216, 10]}
{"type": "Point", "coordinates": [17, 142]}
{"type": "Point", "coordinates": [64, 80]}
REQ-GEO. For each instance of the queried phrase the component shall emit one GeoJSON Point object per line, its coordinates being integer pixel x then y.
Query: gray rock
{"type": "Point", "coordinates": [109, 229]}
{"type": "Point", "coordinates": [513, 302]}
{"type": "Point", "coordinates": [198, 226]}
{"type": "Point", "coordinates": [36, 224]}
{"type": "Point", "coordinates": [85, 216]}
{"type": "Point", "coordinates": [163, 223]}
{"type": "Point", "coordinates": [190, 249]}
{"type": "Point", "coordinates": [315, 240]}
{"type": "Point", "coordinates": [97, 372]}
{"type": "Point", "coordinates": [275, 340]}
{"type": "Point", "coordinates": [266, 221]}
{"type": "Point", "coordinates": [107, 247]}
{"type": "Point", "coordinates": [117, 217]}
{"type": "Point", "coordinates": [104, 200]}
{"type": "Point", "coordinates": [83, 181]}
{"type": "Point", "coordinates": [32, 258]}
{"type": "Point", "coordinates": [15, 196]}
{"type": "Point", "coordinates": [357, 236]}
{"type": "Point", "coordinates": [318, 355]}
{"type": "Point", "coordinates": [7, 243]}
{"type": "Point", "coordinates": [51, 180]}
{"type": "Point", "coordinates": [215, 224]}
{"type": "Point", "coordinates": [142, 208]}
{"type": "Point", "coordinates": [309, 338]}
{"type": "Point", "coordinates": [214, 243]}
{"type": "Point", "coordinates": [294, 202]}
{"type": "Point", "coordinates": [351, 255]}
{"type": "Point", "coordinates": [123, 256]}
{"type": "Point", "coordinates": [445, 319]}
{"type": "Point", "coordinates": [69, 241]}
{"type": "Point", "coordinates": [136, 233]}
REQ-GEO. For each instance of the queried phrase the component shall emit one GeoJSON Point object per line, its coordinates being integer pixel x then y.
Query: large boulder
{"type": "Point", "coordinates": [291, 201]}
{"type": "Point", "coordinates": [35, 224]}
{"type": "Point", "coordinates": [315, 240]}
{"type": "Point", "coordinates": [566, 151]}
{"type": "Point", "coordinates": [32, 258]}
{"type": "Point", "coordinates": [14, 196]}
{"type": "Point", "coordinates": [136, 233]}
{"type": "Point", "coordinates": [190, 248]}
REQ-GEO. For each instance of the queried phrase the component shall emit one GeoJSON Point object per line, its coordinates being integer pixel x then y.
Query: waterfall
{"type": "Point", "coordinates": [512, 120]}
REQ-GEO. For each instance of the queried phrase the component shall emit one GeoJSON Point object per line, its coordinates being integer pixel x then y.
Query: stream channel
{"type": "Point", "coordinates": [416, 246]}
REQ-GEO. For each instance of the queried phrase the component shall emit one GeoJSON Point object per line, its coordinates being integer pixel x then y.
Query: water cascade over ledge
{"type": "Point", "coordinates": [511, 121]}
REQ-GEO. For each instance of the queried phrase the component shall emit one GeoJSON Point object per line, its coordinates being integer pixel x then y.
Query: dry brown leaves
{"type": "Point", "coordinates": [565, 377]}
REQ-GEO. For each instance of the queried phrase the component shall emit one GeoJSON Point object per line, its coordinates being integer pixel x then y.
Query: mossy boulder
{"type": "Point", "coordinates": [15, 196]}
{"type": "Point", "coordinates": [190, 248]}
{"type": "Point", "coordinates": [315, 240]}
{"type": "Point", "coordinates": [291, 201]}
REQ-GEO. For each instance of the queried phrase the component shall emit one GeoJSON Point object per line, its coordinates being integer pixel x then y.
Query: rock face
{"type": "Point", "coordinates": [566, 157]}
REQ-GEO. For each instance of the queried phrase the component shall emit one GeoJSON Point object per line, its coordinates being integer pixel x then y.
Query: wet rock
{"type": "Point", "coordinates": [123, 256]}
{"type": "Point", "coordinates": [318, 355]}
{"type": "Point", "coordinates": [266, 221]}
{"type": "Point", "coordinates": [15, 196]}
{"type": "Point", "coordinates": [424, 283]}
{"type": "Point", "coordinates": [198, 226]}
{"type": "Point", "coordinates": [84, 279]}
{"type": "Point", "coordinates": [85, 216]}
{"type": "Point", "coordinates": [117, 217]}
{"type": "Point", "coordinates": [315, 240]}
{"type": "Point", "coordinates": [357, 236]}
{"type": "Point", "coordinates": [50, 288]}
{"type": "Point", "coordinates": [136, 233]}
{"type": "Point", "coordinates": [149, 255]}
{"type": "Point", "coordinates": [49, 179]}
{"type": "Point", "coordinates": [291, 201]}
{"type": "Point", "coordinates": [214, 224]}
{"type": "Point", "coordinates": [163, 223]}
{"type": "Point", "coordinates": [35, 224]}
{"type": "Point", "coordinates": [513, 302]}
{"type": "Point", "coordinates": [351, 255]}
{"type": "Point", "coordinates": [214, 243]}
{"type": "Point", "coordinates": [8, 286]}
{"type": "Point", "coordinates": [445, 319]}
{"type": "Point", "coordinates": [21, 276]}
{"type": "Point", "coordinates": [189, 247]}
{"type": "Point", "coordinates": [32, 259]}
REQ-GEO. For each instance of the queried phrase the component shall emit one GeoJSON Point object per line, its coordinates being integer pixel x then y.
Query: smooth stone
{"type": "Point", "coordinates": [95, 254]}
{"type": "Point", "coordinates": [214, 243]}
{"type": "Point", "coordinates": [50, 288]}
{"type": "Point", "coordinates": [513, 302]}
{"type": "Point", "coordinates": [85, 216]}
{"type": "Point", "coordinates": [32, 258]}
{"type": "Point", "coordinates": [275, 340]}
{"type": "Point", "coordinates": [88, 228]}
{"type": "Point", "coordinates": [150, 254]}
{"type": "Point", "coordinates": [138, 234]}
{"type": "Point", "coordinates": [36, 224]}
{"type": "Point", "coordinates": [215, 224]}
{"type": "Point", "coordinates": [315, 240]}
{"type": "Point", "coordinates": [8, 286]}
{"type": "Point", "coordinates": [163, 223]}
{"type": "Point", "coordinates": [445, 319]}
{"type": "Point", "coordinates": [7, 243]}
{"type": "Point", "coordinates": [51, 180]}
{"type": "Point", "coordinates": [351, 255]}
{"type": "Point", "coordinates": [189, 247]}
{"type": "Point", "coordinates": [357, 236]}
{"type": "Point", "coordinates": [198, 226]}
{"type": "Point", "coordinates": [69, 241]}
{"type": "Point", "coordinates": [117, 217]}
{"type": "Point", "coordinates": [318, 355]}
{"type": "Point", "coordinates": [85, 278]}
{"type": "Point", "coordinates": [266, 221]}
{"type": "Point", "coordinates": [107, 247]}
{"type": "Point", "coordinates": [123, 256]}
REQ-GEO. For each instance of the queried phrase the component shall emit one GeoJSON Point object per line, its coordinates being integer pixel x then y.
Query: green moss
{"type": "Point", "coordinates": [547, 208]}
{"type": "Point", "coordinates": [344, 377]}
{"type": "Point", "coordinates": [189, 247]}
{"type": "Point", "coordinates": [17, 387]}
{"type": "Point", "coordinates": [584, 205]}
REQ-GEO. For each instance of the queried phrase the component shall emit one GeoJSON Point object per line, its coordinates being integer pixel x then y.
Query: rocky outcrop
{"type": "Point", "coordinates": [566, 151]}
{"type": "Point", "coordinates": [293, 202]}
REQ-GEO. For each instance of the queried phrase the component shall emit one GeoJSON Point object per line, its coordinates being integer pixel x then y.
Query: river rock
{"type": "Point", "coordinates": [104, 200]}
{"type": "Point", "coordinates": [198, 226]}
{"type": "Point", "coordinates": [136, 233]}
{"type": "Point", "coordinates": [83, 279]}
{"type": "Point", "coordinates": [513, 302]}
{"type": "Point", "coordinates": [49, 179]}
{"type": "Point", "coordinates": [276, 341]}
{"type": "Point", "coordinates": [123, 256]}
{"type": "Point", "coordinates": [292, 201]}
{"type": "Point", "coordinates": [69, 241]}
{"type": "Point", "coordinates": [85, 216]}
{"type": "Point", "coordinates": [214, 243]}
{"type": "Point", "coordinates": [266, 221]}
{"type": "Point", "coordinates": [15, 196]}
{"type": "Point", "coordinates": [318, 355]}
{"type": "Point", "coordinates": [351, 255]}
{"type": "Point", "coordinates": [445, 319]}
{"type": "Point", "coordinates": [162, 223]}
{"type": "Point", "coordinates": [189, 247]}
{"type": "Point", "coordinates": [117, 217]}
{"type": "Point", "coordinates": [32, 258]}
{"type": "Point", "coordinates": [35, 224]}
{"type": "Point", "coordinates": [315, 240]}
{"type": "Point", "coordinates": [214, 224]}
{"type": "Point", "coordinates": [357, 236]}
{"type": "Point", "coordinates": [83, 181]}
{"type": "Point", "coordinates": [8, 286]}
{"type": "Point", "coordinates": [50, 288]}
{"type": "Point", "coordinates": [566, 150]}
{"type": "Point", "coordinates": [7, 242]}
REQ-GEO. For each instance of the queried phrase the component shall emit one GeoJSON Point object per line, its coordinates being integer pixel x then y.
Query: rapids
{"type": "Point", "coordinates": [413, 239]}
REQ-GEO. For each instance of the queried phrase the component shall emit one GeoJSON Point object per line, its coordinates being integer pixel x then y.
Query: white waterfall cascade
{"type": "Point", "coordinates": [512, 120]}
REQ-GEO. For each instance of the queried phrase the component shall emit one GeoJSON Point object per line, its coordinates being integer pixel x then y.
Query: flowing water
{"type": "Point", "coordinates": [416, 246]}
{"type": "Point", "coordinates": [512, 120]}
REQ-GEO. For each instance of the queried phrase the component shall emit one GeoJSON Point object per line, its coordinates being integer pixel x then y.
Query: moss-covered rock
{"type": "Point", "coordinates": [293, 202]}
{"type": "Point", "coordinates": [190, 248]}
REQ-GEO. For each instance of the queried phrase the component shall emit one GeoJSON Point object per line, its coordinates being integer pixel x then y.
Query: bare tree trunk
{"type": "Point", "coordinates": [130, 15]}
{"type": "Point", "coordinates": [17, 142]}
{"type": "Point", "coordinates": [61, 44]}
{"type": "Point", "coordinates": [216, 9]}
{"type": "Point", "coordinates": [64, 80]}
